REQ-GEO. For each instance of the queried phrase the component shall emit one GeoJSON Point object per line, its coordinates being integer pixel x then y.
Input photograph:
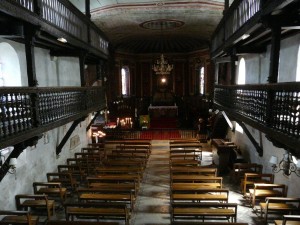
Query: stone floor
{"type": "Point", "coordinates": [152, 205]}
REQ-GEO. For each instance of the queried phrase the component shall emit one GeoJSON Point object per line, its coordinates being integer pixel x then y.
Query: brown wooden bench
{"type": "Point", "coordinates": [289, 220]}
{"type": "Point", "coordinates": [194, 170]}
{"type": "Point", "coordinates": [123, 186]}
{"type": "Point", "coordinates": [239, 170]}
{"type": "Point", "coordinates": [120, 170]}
{"type": "Point", "coordinates": [136, 147]}
{"type": "Point", "coordinates": [66, 179]}
{"type": "Point", "coordinates": [18, 218]}
{"type": "Point", "coordinates": [183, 187]}
{"type": "Point", "coordinates": [117, 211]}
{"type": "Point", "coordinates": [251, 178]}
{"type": "Point", "coordinates": [115, 178]}
{"type": "Point", "coordinates": [184, 162]}
{"type": "Point", "coordinates": [195, 179]}
{"type": "Point", "coordinates": [61, 222]}
{"type": "Point", "coordinates": [262, 191]}
{"type": "Point", "coordinates": [126, 198]}
{"type": "Point", "coordinates": [76, 171]}
{"type": "Point", "coordinates": [26, 202]}
{"type": "Point", "coordinates": [204, 210]}
{"type": "Point", "coordinates": [201, 195]}
{"type": "Point", "coordinates": [51, 189]}
{"type": "Point", "coordinates": [279, 205]}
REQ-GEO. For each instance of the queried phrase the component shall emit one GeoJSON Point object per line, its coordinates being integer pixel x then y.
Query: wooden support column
{"type": "Point", "coordinates": [274, 54]}
{"type": "Point", "coordinates": [30, 32]}
{"type": "Point", "coordinates": [82, 57]}
{"type": "Point", "coordinates": [274, 65]}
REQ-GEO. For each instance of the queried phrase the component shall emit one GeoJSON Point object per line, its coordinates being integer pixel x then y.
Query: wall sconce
{"type": "Point", "coordinates": [286, 165]}
{"type": "Point", "coordinates": [12, 165]}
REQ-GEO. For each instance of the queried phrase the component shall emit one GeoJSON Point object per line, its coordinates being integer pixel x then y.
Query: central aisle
{"type": "Point", "coordinates": [153, 201]}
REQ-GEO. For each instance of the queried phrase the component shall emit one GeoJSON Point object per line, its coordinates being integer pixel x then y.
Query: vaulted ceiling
{"type": "Point", "coordinates": [153, 26]}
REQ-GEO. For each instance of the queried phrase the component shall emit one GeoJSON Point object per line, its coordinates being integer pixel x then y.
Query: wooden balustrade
{"type": "Point", "coordinates": [252, 103]}
{"type": "Point", "coordinates": [28, 109]}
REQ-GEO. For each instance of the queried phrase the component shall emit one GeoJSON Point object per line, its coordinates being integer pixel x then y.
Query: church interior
{"type": "Point", "coordinates": [150, 112]}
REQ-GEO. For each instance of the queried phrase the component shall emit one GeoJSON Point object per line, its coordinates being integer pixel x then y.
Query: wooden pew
{"type": "Point", "coordinates": [62, 222]}
{"type": "Point", "coordinates": [183, 187]}
{"type": "Point", "coordinates": [24, 202]}
{"type": "Point", "coordinates": [194, 170]}
{"type": "Point", "coordinates": [125, 198]}
{"type": "Point", "coordinates": [66, 179]}
{"type": "Point", "coordinates": [115, 178]}
{"type": "Point", "coordinates": [184, 162]}
{"type": "Point", "coordinates": [127, 163]}
{"type": "Point", "coordinates": [122, 186]}
{"type": "Point", "coordinates": [18, 217]}
{"type": "Point", "coordinates": [120, 170]}
{"type": "Point", "coordinates": [204, 210]}
{"type": "Point", "coordinates": [51, 189]}
{"type": "Point", "coordinates": [239, 170]}
{"type": "Point", "coordinates": [76, 171]}
{"type": "Point", "coordinates": [195, 179]}
{"type": "Point", "coordinates": [281, 205]}
{"type": "Point", "coordinates": [136, 148]}
{"type": "Point", "coordinates": [289, 220]}
{"type": "Point", "coordinates": [202, 195]}
{"type": "Point", "coordinates": [251, 178]}
{"type": "Point", "coordinates": [97, 210]}
{"type": "Point", "coordinates": [262, 191]}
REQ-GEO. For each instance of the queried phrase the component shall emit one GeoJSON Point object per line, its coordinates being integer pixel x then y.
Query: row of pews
{"type": "Point", "coordinates": [99, 183]}
{"type": "Point", "coordinates": [265, 196]}
{"type": "Point", "coordinates": [197, 194]}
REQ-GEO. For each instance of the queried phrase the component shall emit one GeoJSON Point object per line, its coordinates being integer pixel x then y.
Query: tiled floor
{"type": "Point", "coordinates": [152, 205]}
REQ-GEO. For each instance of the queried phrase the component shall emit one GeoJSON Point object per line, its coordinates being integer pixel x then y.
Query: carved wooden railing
{"type": "Point", "coordinates": [241, 17]}
{"type": "Point", "coordinates": [60, 14]}
{"type": "Point", "coordinates": [272, 108]}
{"type": "Point", "coordinates": [26, 112]}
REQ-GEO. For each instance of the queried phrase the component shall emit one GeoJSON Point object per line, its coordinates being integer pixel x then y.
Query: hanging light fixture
{"type": "Point", "coordinates": [161, 67]}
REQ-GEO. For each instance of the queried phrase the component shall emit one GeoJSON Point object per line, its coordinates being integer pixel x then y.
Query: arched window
{"type": "Point", "coordinates": [298, 65]}
{"type": "Point", "coordinates": [125, 75]}
{"type": "Point", "coordinates": [242, 72]}
{"type": "Point", "coordinates": [10, 72]}
{"type": "Point", "coordinates": [241, 80]}
{"type": "Point", "coordinates": [201, 79]}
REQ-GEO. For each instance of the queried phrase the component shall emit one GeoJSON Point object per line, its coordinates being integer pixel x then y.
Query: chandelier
{"type": "Point", "coordinates": [161, 67]}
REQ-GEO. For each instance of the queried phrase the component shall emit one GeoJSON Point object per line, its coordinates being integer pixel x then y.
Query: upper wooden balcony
{"type": "Point", "coordinates": [52, 19]}
{"type": "Point", "coordinates": [246, 25]}
{"type": "Point", "coordinates": [273, 109]}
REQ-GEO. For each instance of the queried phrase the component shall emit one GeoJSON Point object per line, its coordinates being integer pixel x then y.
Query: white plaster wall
{"type": "Point", "coordinates": [35, 162]}
{"type": "Point", "coordinates": [288, 59]}
{"type": "Point", "coordinates": [56, 71]}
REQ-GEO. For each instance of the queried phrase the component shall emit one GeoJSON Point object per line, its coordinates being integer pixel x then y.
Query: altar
{"type": "Point", "coordinates": [163, 111]}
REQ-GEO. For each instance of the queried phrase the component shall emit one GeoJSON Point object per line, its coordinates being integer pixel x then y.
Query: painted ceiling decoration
{"type": "Point", "coordinates": [148, 26]}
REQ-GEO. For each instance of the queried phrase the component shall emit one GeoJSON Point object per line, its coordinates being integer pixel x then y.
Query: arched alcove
{"type": "Point", "coordinates": [10, 72]}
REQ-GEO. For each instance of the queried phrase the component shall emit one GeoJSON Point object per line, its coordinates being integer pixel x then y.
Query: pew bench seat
{"type": "Point", "coordinates": [118, 211]}
{"type": "Point", "coordinates": [18, 217]}
{"type": "Point", "coordinates": [279, 205]}
{"type": "Point", "coordinates": [26, 202]}
{"type": "Point", "coordinates": [204, 210]}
